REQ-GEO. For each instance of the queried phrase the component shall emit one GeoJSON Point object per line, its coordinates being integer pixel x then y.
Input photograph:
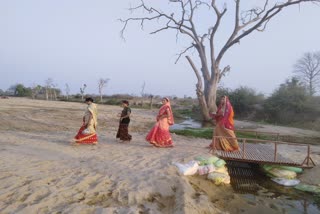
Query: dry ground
{"type": "Point", "coordinates": [41, 173]}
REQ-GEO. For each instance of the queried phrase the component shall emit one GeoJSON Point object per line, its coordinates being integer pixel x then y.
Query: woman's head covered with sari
{"type": "Point", "coordinates": [166, 106]}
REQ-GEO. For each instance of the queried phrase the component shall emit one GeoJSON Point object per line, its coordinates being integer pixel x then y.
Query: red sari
{"type": "Point", "coordinates": [159, 135]}
{"type": "Point", "coordinates": [88, 135]}
{"type": "Point", "coordinates": [224, 128]}
{"type": "Point", "coordinates": [82, 138]}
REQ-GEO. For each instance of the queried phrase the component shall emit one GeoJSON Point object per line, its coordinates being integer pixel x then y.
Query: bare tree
{"type": "Point", "coordinates": [35, 90]}
{"type": "Point", "coordinates": [101, 84]}
{"type": "Point", "coordinates": [48, 85]}
{"type": "Point", "coordinates": [182, 20]}
{"type": "Point", "coordinates": [151, 100]}
{"type": "Point", "coordinates": [54, 91]}
{"type": "Point", "coordinates": [82, 90]}
{"type": "Point", "coordinates": [142, 88]}
{"type": "Point", "coordinates": [67, 89]}
{"type": "Point", "coordinates": [307, 69]}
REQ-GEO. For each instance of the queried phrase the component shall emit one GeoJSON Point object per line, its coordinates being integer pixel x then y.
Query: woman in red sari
{"type": "Point", "coordinates": [159, 135]}
{"type": "Point", "coordinates": [224, 127]}
{"type": "Point", "coordinates": [87, 133]}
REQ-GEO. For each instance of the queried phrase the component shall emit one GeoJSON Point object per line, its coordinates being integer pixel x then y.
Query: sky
{"type": "Point", "coordinates": [76, 42]}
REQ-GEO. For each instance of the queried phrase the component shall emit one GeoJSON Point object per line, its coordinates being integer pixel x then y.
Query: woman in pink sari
{"type": "Point", "coordinates": [159, 135]}
{"type": "Point", "coordinates": [224, 128]}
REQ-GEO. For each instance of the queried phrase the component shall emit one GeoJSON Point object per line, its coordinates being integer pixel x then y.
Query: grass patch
{"type": "Point", "coordinates": [183, 113]}
{"type": "Point", "coordinates": [199, 133]}
{"type": "Point", "coordinates": [207, 133]}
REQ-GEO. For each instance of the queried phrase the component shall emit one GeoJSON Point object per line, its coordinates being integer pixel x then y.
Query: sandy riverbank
{"type": "Point", "coordinates": [41, 173]}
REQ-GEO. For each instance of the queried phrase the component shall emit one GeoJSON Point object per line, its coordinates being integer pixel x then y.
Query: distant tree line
{"type": "Point", "coordinates": [290, 104]}
{"type": "Point", "coordinates": [294, 102]}
{"type": "Point", "coordinates": [35, 92]}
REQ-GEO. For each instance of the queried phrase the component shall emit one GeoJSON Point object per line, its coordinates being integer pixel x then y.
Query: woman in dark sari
{"type": "Point", "coordinates": [122, 133]}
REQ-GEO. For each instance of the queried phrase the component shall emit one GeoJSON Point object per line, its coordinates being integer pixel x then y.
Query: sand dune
{"type": "Point", "coordinates": [41, 173]}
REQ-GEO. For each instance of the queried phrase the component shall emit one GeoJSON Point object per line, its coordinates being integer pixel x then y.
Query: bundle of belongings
{"type": "Point", "coordinates": [283, 175]}
{"type": "Point", "coordinates": [212, 166]}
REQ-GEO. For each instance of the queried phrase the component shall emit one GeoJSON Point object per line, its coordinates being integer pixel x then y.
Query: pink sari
{"type": "Point", "coordinates": [225, 128]}
{"type": "Point", "coordinates": [159, 135]}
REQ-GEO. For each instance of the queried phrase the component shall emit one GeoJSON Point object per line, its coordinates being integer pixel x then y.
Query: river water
{"type": "Point", "coordinates": [189, 123]}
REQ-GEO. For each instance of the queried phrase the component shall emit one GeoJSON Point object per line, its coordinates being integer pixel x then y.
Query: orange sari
{"type": "Point", "coordinates": [159, 135]}
{"type": "Point", "coordinates": [224, 128]}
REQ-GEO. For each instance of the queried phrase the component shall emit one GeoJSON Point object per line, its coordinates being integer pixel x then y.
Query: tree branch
{"type": "Point", "coordinates": [261, 19]}
{"type": "Point", "coordinates": [183, 52]}
{"type": "Point", "coordinates": [219, 16]}
{"type": "Point", "coordinates": [224, 71]}
{"type": "Point", "coordinates": [178, 24]}
{"type": "Point", "coordinates": [199, 84]}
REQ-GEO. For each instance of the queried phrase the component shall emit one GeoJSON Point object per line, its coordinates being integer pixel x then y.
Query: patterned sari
{"type": "Point", "coordinates": [159, 135]}
{"type": "Point", "coordinates": [224, 128]}
{"type": "Point", "coordinates": [88, 135]}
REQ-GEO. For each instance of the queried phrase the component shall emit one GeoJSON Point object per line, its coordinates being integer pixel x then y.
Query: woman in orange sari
{"type": "Point", "coordinates": [87, 133]}
{"type": "Point", "coordinates": [224, 128]}
{"type": "Point", "coordinates": [159, 135]}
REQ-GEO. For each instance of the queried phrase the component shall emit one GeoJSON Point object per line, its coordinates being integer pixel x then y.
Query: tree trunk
{"type": "Point", "coordinates": [47, 94]}
{"type": "Point", "coordinates": [211, 94]}
{"type": "Point", "coordinates": [151, 101]}
{"type": "Point", "coordinates": [203, 104]}
{"type": "Point", "coordinates": [100, 97]}
{"type": "Point", "coordinates": [55, 94]}
{"type": "Point", "coordinates": [310, 87]}
{"type": "Point", "coordinates": [206, 96]}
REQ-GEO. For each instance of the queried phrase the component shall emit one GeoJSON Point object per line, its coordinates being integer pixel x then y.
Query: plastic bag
{"type": "Point", "coordinates": [222, 170]}
{"type": "Point", "coordinates": [292, 168]}
{"type": "Point", "coordinates": [203, 162]}
{"type": "Point", "coordinates": [308, 188]}
{"type": "Point", "coordinates": [282, 173]}
{"type": "Point", "coordinates": [219, 163]}
{"type": "Point", "coordinates": [219, 178]}
{"type": "Point", "coordinates": [212, 160]}
{"type": "Point", "coordinates": [200, 158]}
{"type": "Point", "coordinates": [286, 182]}
{"type": "Point", "coordinates": [190, 168]}
{"type": "Point", "coordinates": [268, 167]}
{"type": "Point", "coordinates": [202, 170]}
